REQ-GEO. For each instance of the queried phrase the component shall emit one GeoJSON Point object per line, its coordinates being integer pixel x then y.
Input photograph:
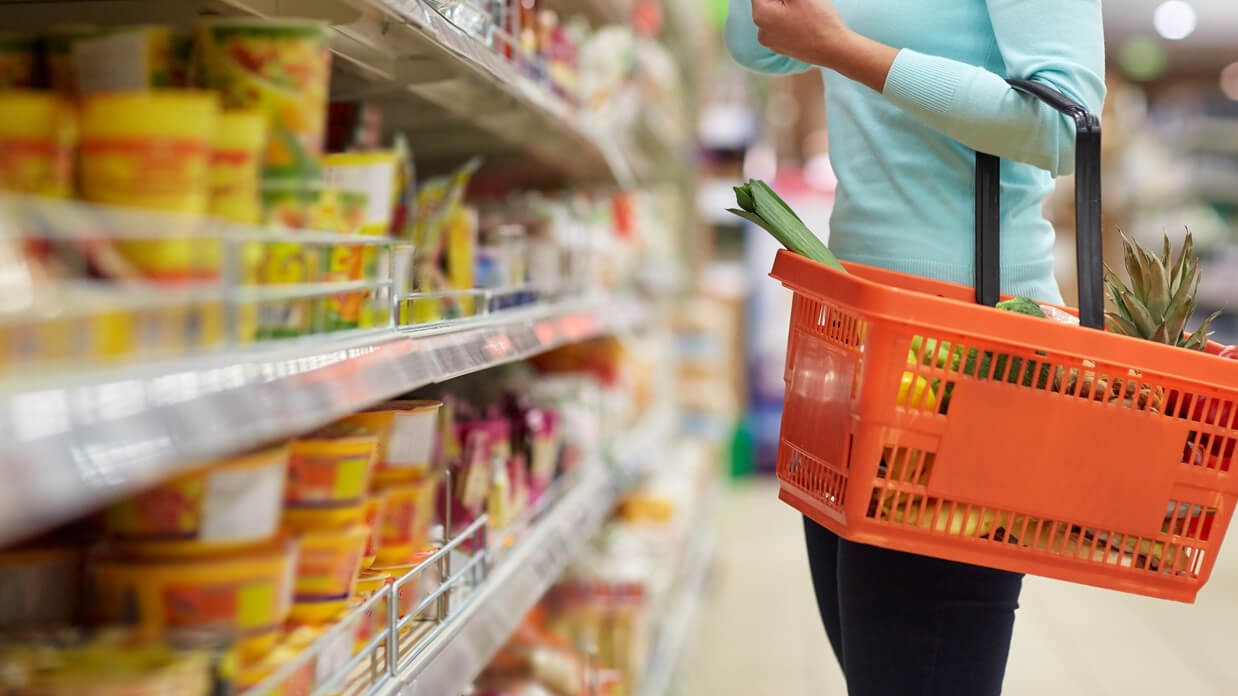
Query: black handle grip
{"type": "Point", "coordinates": [1091, 264]}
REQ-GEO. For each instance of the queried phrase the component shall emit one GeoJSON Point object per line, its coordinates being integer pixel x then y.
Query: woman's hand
{"type": "Point", "coordinates": [814, 32]}
{"type": "Point", "coordinates": [807, 30]}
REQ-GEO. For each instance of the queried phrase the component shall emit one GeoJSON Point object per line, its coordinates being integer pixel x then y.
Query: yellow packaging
{"type": "Point", "coordinates": [374, 175]}
{"type": "Point", "coordinates": [299, 683]}
{"type": "Point", "coordinates": [104, 669]}
{"type": "Point", "coordinates": [19, 61]}
{"type": "Point", "coordinates": [235, 166]}
{"type": "Point", "coordinates": [282, 67]}
{"type": "Point", "coordinates": [406, 526]}
{"type": "Point", "coordinates": [327, 567]}
{"type": "Point", "coordinates": [123, 59]}
{"type": "Point", "coordinates": [375, 619]}
{"type": "Point", "coordinates": [225, 506]}
{"type": "Point", "coordinates": [248, 595]}
{"type": "Point", "coordinates": [375, 516]}
{"type": "Point", "coordinates": [407, 437]}
{"type": "Point", "coordinates": [327, 482]}
{"type": "Point", "coordinates": [38, 135]}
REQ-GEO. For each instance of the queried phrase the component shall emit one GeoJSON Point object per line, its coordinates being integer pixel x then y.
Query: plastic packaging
{"type": "Point", "coordinates": [38, 136]}
{"type": "Point", "coordinates": [328, 479]}
{"type": "Point", "coordinates": [235, 165]}
{"type": "Point", "coordinates": [327, 567]}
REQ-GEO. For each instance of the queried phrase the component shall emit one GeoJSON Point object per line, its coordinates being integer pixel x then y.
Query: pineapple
{"type": "Point", "coordinates": [1161, 295]}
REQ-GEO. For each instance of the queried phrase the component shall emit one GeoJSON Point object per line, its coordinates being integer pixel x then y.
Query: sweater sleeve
{"type": "Point", "coordinates": [741, 41]}
{"type": "Point", "coordinates": [1059, 43]}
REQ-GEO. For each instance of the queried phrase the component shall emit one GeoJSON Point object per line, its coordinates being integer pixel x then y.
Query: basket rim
{"type": "Point", "coordinates": [860, 289]}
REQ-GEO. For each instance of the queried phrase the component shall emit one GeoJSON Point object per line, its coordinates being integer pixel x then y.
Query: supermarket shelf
{"type": "Point", "coordinates": [72, 441]}
{"type": "Point", "coordinates": [450, 93]}
{"type": "Point", "coordinates": [686, 600]}
{"type": "Point", "coordinates": [466, 644]}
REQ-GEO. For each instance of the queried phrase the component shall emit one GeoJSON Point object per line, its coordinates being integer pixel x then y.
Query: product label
{"type": "Point", "coordinates": [123, 62]}
{"type": "Point", "coordinates": [164, 172]}
{"type": "Point", "coordinates": [318, 478]}
{"type": "Point", "coordinates": [35, 166]}
{"type": "Point", "coordinates": [170, 511]}
{"type": "Point", "coordinates": [398, 525]}
{"type": "Point", "coordinates": [326, 573]}
{"type": "Point", "coordinates": [245, 605]}
{"type": "Point", "coordinates": [238, 504]}
{"type": "Point", "coordinates": [376, 181]}
{"type": "Point", "coordinates": [412, 440]}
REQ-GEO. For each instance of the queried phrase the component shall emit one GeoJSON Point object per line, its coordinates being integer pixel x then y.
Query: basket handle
{"type": "Point", "coordinates": [1089, 254]}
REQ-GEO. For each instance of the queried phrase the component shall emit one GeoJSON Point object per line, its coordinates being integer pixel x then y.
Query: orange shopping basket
{"type": "Point", "coordinates": [919, 420]}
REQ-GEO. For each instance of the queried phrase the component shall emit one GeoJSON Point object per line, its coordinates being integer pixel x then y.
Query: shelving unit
{"type": "Point", "coordinates": [71, 443]}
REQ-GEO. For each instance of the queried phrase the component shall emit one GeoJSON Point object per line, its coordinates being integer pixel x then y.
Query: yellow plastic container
{"type": "Point", "coordinates": [376, 175]}
{"type": "Point", "coordinates": [247, 595]}
{"type": "Point", "coordinates": [328, 479]}
{"type": "Point", "coordinates": [38, 137]}
{"type": "Point", "coordinates": [226, 506]}
{"type": "Point", "coordinates": [281, 67]}
{"type": "Point", "coordinates": [375, 619]}
{"type": "Point", "coordinates": [152, 150]}
{"type": "Point", "coordinates": [406, 526]}
{"type": "Point", "coordinates": [235, 166]}
{"type": "Point", "coordinates": [19, 61]}
{"type": "Point", "coordinates": [40, 587]}
{"type": "Point", "coordinates": [327, 568]}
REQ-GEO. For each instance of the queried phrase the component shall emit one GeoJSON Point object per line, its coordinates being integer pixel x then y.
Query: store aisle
{"type": "Point", "coordinates": [760, 634]}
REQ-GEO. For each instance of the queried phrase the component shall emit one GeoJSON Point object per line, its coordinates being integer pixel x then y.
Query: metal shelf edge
{"type": "Point", "coordinates": [69, 446]}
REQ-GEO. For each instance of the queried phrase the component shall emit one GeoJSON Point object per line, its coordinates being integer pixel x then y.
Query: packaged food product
{"type": "Point", "coordinates": [247, 595]}
{"type": "Point", "coordinates": [123, 59]}
{"type": "Point", "coordinates": [152, 150]}
{"type": "Point", "coordinates": [39, 587]}
{"type": "Point", "coordinates": [406, 525]}
{"type": "Point", "coordinates": [235, 166]}
{"type": "Point", "coordinates": [38, 134]}
{"type": "Point", "coordinates": [225, 506]}
{"type": "Point", "coordinates": [328, 479]}
{"type": "Point", "coordinates": [300, 682]}
{"type": "Point", "coordinates": [327, 567]}
{"type": "Point", "coordinates": [103, 668]}
{"type": "Point", "coordinates": [58, 61]}
{"type": "Point", "coordinates": [407, 438]}
{"type": "Point", "coordinates": [19, 61]}
{"type": "Point", "coordinates": [375, 619]}
{"type": "Point", "coordinates": [375, 518]}
{"type": "Point", "coordinates": [376, 175]}
{"type": "Point", "coordinates": [281, 66]}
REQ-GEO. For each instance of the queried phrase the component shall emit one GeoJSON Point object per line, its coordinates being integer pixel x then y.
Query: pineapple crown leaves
{"type": "Point", "coordinates": [1160, 297]}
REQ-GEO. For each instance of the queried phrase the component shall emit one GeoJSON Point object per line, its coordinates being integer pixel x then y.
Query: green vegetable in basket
{"type": "Point", "coordinates": [1022, 305]}
{"type": "Point", "coordinates": [762, 207]}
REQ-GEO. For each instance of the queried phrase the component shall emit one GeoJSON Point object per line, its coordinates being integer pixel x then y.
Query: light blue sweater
{"type": "Point", "coordinates": [905, 158]}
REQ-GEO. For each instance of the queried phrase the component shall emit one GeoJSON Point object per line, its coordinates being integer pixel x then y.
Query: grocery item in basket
{"type": "Point", "coordinates": [124, 59]}
{"type": "Point", "coordinates": [103, 667]}
{"type": "Point", "coordinates": [224, 506]}
{"type": "Point", "coordinates": [281, 67]}
{"type": "Point", "coordinates": [406, 525]}
{"type": "Point", "coordinates": [152, 150]}
{"type": "Point", "coordinates": [327, 567]}
{"type": "Point", "coordinates": [328, 479]}
{"type": "Point", "coordinates": [19, 61]}
{"type": "Point", "coordinates": [39, 587]}
{"type": "Point", "coordinates": [376, 175]}
{"type": "Point", "coordinates": [235, 166]}
{"type": "Point", "coordinates": [762, 207]}
{"type": "Point", "coordinates": [38, 137]}
{"type": "Point", "coordinates": [246, 595]}
{"type": "Point", "coordinates": [1160, 297]}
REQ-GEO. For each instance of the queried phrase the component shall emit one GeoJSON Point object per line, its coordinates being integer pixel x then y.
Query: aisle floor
{"type": "Point", "coordinates": [759, 632]}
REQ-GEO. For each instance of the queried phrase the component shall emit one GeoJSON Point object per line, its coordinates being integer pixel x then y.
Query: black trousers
{"type": "Point", "coordinates": [907, 625]}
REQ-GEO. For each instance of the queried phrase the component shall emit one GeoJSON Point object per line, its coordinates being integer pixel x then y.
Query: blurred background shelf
{"type": "Point", "coordinates": [73, 441]}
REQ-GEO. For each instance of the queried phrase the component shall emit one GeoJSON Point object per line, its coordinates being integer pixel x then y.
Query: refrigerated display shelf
{"type": "Point", "coordinates": [71, 441]}
{"type": "Point", "coordinates": [466, 643]}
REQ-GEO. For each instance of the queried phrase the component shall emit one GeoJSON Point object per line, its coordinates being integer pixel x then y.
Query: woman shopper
{"type": "Point", "coordinates": [913, 89]}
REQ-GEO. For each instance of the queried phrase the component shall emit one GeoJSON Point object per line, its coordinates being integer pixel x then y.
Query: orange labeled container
{"type": "Point", "coordinates": [375, 618]}
{"type": "Point", "coordinates": [406, 525]}
{"type": "Point", "coordinates": [38, 134]}
{"type": "Point", "coordinates": [227, 505]}
{"type": "Point", "coordinates": [328, 479]}
{"type": "Point", "coordinates": [407, 432]}
{"type": "Point", "coordinates": [247, 595]}
{"type": "Point", "coordinates": [327, 567]}
{"type": "Point", "coordinates": [375, 517]}
{"type": "Point", "coordinates": [281, 67]}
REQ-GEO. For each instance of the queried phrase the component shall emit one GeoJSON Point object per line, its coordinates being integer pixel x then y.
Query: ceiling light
{"type": "Point", "coordinates": [1174, 20]}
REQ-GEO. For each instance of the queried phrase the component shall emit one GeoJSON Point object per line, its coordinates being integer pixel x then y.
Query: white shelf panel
{"type": "Point", "coordinates": [73, 441]}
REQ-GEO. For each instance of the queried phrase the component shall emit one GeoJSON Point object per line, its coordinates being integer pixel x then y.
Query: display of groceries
{"type": "Point", "coordinates": [240, 569]}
